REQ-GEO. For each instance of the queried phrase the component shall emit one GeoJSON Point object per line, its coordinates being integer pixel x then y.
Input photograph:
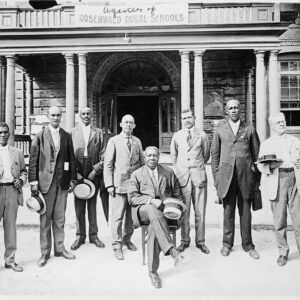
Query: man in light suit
{"type": "Point", "coordinates": [88, 148]}
{"type": "Point", "coordinates": [149, 186]}
{"type": "Point", "coordinates": [280, 182]}
{"type": "Point", "coordinates": [189, 154]}
{"type": "Point", "coordinates": [123, 155]}
{"type": "Point", "coordinates": [234, 150]}
{"type": "Point", "coordinates": [12, 177]}
{"type": "Point", "coordinates": [52, 171]}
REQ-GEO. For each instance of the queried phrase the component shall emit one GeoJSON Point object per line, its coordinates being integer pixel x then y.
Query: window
{"type": "Point", "coordinates": [290, 91]}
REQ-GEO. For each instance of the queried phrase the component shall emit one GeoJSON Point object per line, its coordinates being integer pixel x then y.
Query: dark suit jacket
{"type": "Point", "coordinates": [141, 188]}
{"type": "Point", "coordinates": [44, 164]}
{"type": "Point", "coordinates": [95, 151]}
{"type": "Point", "coordinates": [240, 152]}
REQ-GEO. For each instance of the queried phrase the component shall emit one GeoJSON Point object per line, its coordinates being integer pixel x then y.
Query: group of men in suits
{"type": "Point", "coordinates": [138, 185]}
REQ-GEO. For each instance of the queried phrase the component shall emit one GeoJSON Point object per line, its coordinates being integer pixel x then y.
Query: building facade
{"type": "Point", "coordinates": [151, 60]}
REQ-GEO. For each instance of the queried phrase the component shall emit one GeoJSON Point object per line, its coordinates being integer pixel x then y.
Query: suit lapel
{"type": "Point", "coordinates": [149, 180]}
{"type": "Point", "coordinates": [92, 134]}
{"type": "Point", "coordinates": [161, 180]}
{"type": "Point", "coordinates": [13, 156]}
{"type": "Point", "coordinates": [241, 130]}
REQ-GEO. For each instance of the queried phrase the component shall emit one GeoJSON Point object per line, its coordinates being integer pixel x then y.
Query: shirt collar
{"type": "Point", "coordinates": [52, 129]}
{"type": "Point", "coordinates": [237, 123]}
{"type": "Point", "coordinates": [85, 126]}
{"type": "Point", "coordinates": [125, 136]}
{"type": "Point", "coordinates": [4, 147]}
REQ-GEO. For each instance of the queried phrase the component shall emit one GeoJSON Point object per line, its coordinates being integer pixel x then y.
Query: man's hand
{"type": "Point", "coordinates": [156, 202]}
{"type": "Point", "coordinates": [92, 175]}
{"type": "Point", "coordinates": [79, 176]}
{"type": "Point", "coordinates": [112, 191]}
{"type": "Point", "coordinates": [18, 183]}
{"type": "Point", "coordinates": [72, 185]}
{"type": "Point", "coordinates": [34, 189]}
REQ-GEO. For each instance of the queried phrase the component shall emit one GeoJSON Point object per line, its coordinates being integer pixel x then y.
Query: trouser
{"type": "Point", "coordinates": [233, 197]}
{"type": "Point", "coordinates": [80, 209]}
{"type": "Point", "coordinates": [197, 196]}
{"type": "Point", "coordinates": [8, 211]}
{"type": "Point", "coordinates": [287, 196]}
{"type": "Point", "coordinates": [158, 234]}
{"type": "Point", "coordinates": [56, 201]}
{"type": "Point", "coordinates": [119, 208]}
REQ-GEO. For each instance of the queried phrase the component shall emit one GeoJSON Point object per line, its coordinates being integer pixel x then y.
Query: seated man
{"type": "Point", "coordinates": [149, 186]}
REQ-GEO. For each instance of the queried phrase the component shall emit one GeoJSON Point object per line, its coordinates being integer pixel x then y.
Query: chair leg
{"type": "Point", "coordinates": [144, 244]}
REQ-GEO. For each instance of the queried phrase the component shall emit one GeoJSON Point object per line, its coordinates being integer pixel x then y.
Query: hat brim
{"type": "Point", "coordinates": [90, 184]}
{"type": "Point", "coordinates": [42, 203]}
{"type": "Point", "coordinates": [270, 160]}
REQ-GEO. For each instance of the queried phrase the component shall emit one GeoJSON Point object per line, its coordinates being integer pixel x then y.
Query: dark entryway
{"type": "Point", "coordinates": [145, 111]}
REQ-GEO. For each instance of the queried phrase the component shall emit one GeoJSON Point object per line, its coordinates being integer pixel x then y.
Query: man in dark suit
{"type": "Point", "coordinates": [12, 177]}
{"type": "Point", "coordinates": [123, 155]}
{"type": "Point", "coordinates": [52, 171]}
{"type": "Point", "coordinates": [148, 187]}
{"type": "Point", "coordinates": [88, 148]}
{"type": "Point", "coordinates": [234, 150]}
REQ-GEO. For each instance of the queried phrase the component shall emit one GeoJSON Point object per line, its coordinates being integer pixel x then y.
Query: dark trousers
{"type": "Point", "coordinates": [8, 211]}
{"type": "Point", "coordinates": [158, 234]}
{"type": "Point", "coordinates": [232, 198]}
{"type": "Point", "coordinates": [56, 200]}
{"type": "Point", "coordinates": [80, 209]}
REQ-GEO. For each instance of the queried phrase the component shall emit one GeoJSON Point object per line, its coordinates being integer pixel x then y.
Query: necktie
{"type": "Point", "coordinates": [189, 138]}
{"type": "Point", "coordinates": [128, 144]}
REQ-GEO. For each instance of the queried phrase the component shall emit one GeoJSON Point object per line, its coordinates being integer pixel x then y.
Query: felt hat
{"type": "Point", "coordinates": [85, 189]}
{"type": "Point", "coordinates": [37, 203]}
{"type": "Point", "coordinates": [173, 208]}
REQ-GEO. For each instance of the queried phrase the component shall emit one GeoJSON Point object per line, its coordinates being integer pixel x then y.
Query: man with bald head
{"type": "Point", "coordinates": [88, 143]}
{"type": "Point", "coordinates": [123, 155]}
{"type": "Point", "coordinates": [52, 172]}
{"type": "Point", "coordinates": [280, 182]}
{"type": "Point", "coordinates": [234, 150]}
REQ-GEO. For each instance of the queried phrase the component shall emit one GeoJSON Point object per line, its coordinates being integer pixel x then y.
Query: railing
{"type": "Point", "coordinates": [23, 142]}
{"type": "Point", "coordinates": [64, 16]}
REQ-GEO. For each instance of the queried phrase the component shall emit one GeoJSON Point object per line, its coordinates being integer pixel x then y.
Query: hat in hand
{"type": "Point", "coordinates": [269, 158]}
{"type": "Point", "coordinates": [85, 189]}
{"type": "Point", "coordinates": [36, 203]}
{"type": "Point", "coordinates": [173, 208]}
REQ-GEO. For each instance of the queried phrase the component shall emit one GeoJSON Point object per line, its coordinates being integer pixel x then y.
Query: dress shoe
{"type": "Point", "coordinates": [97, 242]}
{"type": "Point", "coordinates": [14, 266]}
{"type": "Point", "coordinates": [78, 242]}
{"type": "Point", "coordinates": [182, 246]}
{"type": "Point", "coordinates": [119, 254]}
{"type": "Point", "coordinates": [155, 280]}
{"type": "Point", "coordinates": [130, 245]}
{"type": "Point", "coordinates": [282, 260]}
{"type": "Point", "coordinates": [43, 260]}
{"type": "Point", "coordinates": [203, 248]}
{"type": "Point", "coordinates": [254, 254]}
{"type": "Point", "coordinates": [65, 254]}
{"type": "Point", "coordinates": [177, 256]}
{"type": "Point", "coordinates": [225, 251]}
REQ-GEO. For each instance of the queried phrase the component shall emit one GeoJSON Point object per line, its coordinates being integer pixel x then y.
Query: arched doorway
{"type": "Point", "coordinates": [141, 87]}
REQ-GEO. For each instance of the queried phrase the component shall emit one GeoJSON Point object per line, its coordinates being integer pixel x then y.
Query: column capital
{"type": "Point", "coordinates": [68, 56]}
{"type": "Point", "coordinates": [274, 52]}
{"type": "Point", "coordinates": [10, 59]}
{"type": "Point", "coordinates": [184, 52]}
{"type": "Point", "coordinates": [260, 52]}
{"type": "Point", "coordinates": [199, 52]}
{"type": "Point", "coordinates": [82, 58]}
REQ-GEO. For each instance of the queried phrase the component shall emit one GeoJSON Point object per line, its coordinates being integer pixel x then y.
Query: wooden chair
{"type": "Point", "coordinates": [173, 225]}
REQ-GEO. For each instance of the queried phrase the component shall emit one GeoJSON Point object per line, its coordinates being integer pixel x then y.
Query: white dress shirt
{"type": "Point", "coordinates": [5, 165]}
{"type": "Point", "coordinates": [234, 126]}
{"type": "Point", "coordinates": [286, 147]}
{"type": "Point", "coordinates": [55, 137]}
{"type": "Point", "coordinates": [86, 136]}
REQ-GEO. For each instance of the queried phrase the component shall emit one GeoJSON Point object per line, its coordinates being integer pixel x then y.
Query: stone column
{"type": "Point", "coordinates": [2, 88]}
{"type": "Point", "coordinates": [261, 99]}
{"type": "Point", "coordinates": [198, 87]}
{"type": "Point", "coordinates": [28, 97]}
{"type": "Point", "coordinates": [70, 84]}
{"type": "Point", "coordinates": [82, 81]}
{"type": "Point", "coordinates": [10, 96]}
{"type": "Point", "coordinates": [249, 104]}
{"type": "Point", "coordinates": [274, 82]}
{"type": "Point", "coordinates": [185, 80]}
